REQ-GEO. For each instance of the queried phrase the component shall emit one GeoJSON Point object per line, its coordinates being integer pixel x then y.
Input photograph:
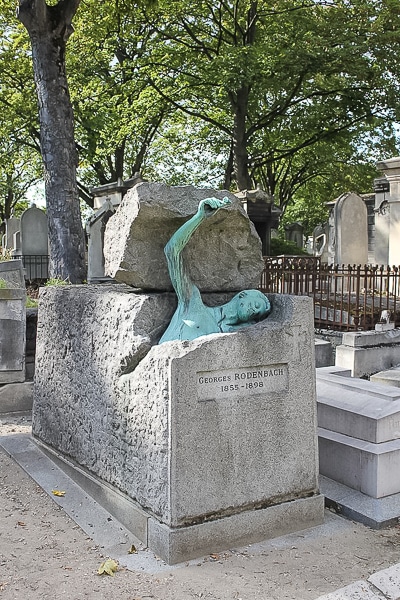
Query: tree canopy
{"type": "Point", "coordinates": [225, 93]}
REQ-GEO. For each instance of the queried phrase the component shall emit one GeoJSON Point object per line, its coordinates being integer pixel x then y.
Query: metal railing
{"type": "Point", "coordinates": [36, 266]}
{"type": "Point", "coordinates": [346, 297]}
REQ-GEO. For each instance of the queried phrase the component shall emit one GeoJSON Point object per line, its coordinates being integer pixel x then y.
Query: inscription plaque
{"type": "Point", "coordinates": [242, 382]}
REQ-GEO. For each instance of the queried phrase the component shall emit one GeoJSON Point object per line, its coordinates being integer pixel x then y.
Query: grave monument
{"type": "Point", "coordinates": [13, 225]}
{"type": "Point", "coordinates": [197, 445]}
{"type": "Point", "coordinates": [348, 230]}
{"type": "Point", "coordinates": [387, 212]}
{"type": "Point", "coordinates": [30, 242]}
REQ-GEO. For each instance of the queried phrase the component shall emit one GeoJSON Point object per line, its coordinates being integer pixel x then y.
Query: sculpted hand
{"type": "Point", "coordinates": [209, 205]}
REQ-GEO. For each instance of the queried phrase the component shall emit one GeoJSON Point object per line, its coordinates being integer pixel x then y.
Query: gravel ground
{"type": "Point", "coordinates": [45, 555]}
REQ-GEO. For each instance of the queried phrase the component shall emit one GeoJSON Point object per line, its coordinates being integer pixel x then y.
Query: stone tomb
{"type": "Point", "coordinates": [202, 445]}
{"type": "Point", "coordinates": [12, 323]}
{"type": "Point", "coordinates": [367, 352]}
{"type": "Point", "coordinates": [359, 446]}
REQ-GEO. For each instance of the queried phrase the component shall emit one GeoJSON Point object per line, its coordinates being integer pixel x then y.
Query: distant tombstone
{"type": "Point", "coordinates": [106, 199]}
{"type": "Point", "coordinates": [348, 230]}
{"type": "Point", "coordinates": [34, 237]}
{"type": "Point", "coordinates": [95, 228]}
{"type": "Point", "coordinates": [16, 246]}
{"type": "Point", "coordinates": [294, 233]}
{"type": "Point", "coordinates": [12, 226]}
{"type": "Point", "coordinates": [387, 213]}
{"type": "Point", "coordinates": [34, 242]}
{"type": "Point", "coordinates": [320, 242]}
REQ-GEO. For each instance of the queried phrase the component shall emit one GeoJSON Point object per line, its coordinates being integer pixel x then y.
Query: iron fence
{"type": "Point", "coordinates": [346, 297]}
{"type": "Point", "coordinates": [36, 266]}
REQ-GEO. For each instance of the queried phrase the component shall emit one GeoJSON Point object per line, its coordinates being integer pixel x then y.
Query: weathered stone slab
{"type": "Point", "coordinates": [182, 543]}
{"type": "Point", "coordinates": [224, 254]}
{"type": "Point", "coordinates": [12, 272]}
{"type": "Point", "coordinates": [12, 335]}
{"type": "Point", "coordinates": [355, 407]}
{"type": "Point", "coordinates": [201, 434]}
{"type": "Point", "coordinates": [16, 397]}
{"type": "Point", "coordinates": [323, 353]}
{"type": "Point", "coordinates": [368, 352]}
{"type": "Point", "coordinates": [387, 581]}
{"type": "Point", "coordinates": [376, 513]}
{"type": "Point", "coordinates": [389, 377]}
{"type": "Point", "coordinates": [359, 433]}
{"type": "Point", "coordinates": [373, 469]}
{"type": "Point", "coordinates": [369, 339]}
{"type": "Point", "coordinates": [360, 590]}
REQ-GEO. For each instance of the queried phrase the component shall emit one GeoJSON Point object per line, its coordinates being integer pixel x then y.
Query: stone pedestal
{"type": "Point", "coordinates": [368, 352]}
{"type": "Point", "coordinates": [359, 444]}
{"type": "Point", "coordinates": [12, 335]}
{"type": "Point", "coordinates": [213, 440]}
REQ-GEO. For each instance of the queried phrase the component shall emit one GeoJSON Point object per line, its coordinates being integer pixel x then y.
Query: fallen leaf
{"type": "Point", "coordinates": [21, 523]}
{"type": "Point", "coordinates": [108, 567]}
{"type": "Point", "coordinates": [132, 549]}
{"type": "Point", "coordinates": [57, 493]}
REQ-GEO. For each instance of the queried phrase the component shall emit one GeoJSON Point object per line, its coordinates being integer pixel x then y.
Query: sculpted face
{"type": "Point", "coordinates": [252, 305]}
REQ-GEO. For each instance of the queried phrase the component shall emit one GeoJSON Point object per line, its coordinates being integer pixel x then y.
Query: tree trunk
{"type": "Point", "coordinates": [49, 28]}
{"type": "Point", "coordinates": [239, 102]}
{"type": "Point", "coordinates": [9, 199]}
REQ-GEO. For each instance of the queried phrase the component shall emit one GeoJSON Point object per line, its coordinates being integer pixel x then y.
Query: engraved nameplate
{"type": "Point", "coordinates": [242, 382]}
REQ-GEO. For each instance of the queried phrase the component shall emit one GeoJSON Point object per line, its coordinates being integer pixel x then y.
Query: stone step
{"type": "Point", "coordinates": [16, 397]}
{"type": "Point", "coordinates": [369, 468]}
{"type": "Point", "coordinates": [358, 408]}
{"type": "Point", "coordinates": [389, 377]}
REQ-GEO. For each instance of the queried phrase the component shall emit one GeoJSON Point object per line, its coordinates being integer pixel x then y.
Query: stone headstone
{"type": "Point", "coordinates": [34, 243]}
{"type": "Point", "coordinates": [12, 226]}
{"type": "Point", "coordinates": [348, 231]}
{"type": "Point", "coordinates": [105, 200]}
{"type": "Point", "coordinates": [294, 233]}
{"type": "Point", "coordinates": [225, 255]}
{"type": "Point", "coordinates": [16, 251]}
{"type": "Point", "coordinates": [34, 237]}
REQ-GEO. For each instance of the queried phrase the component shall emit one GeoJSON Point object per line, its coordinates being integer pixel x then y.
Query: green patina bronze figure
{"type": "Point", "coordinates": [192, 317]}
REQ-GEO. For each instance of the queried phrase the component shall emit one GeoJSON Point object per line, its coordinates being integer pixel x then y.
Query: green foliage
{"type": "Point", "coordinates": [306, 93]}
{"type": "Point", "coordinates": [20, 163]}
{"type": "Point", "coordinates": [5, 255]}
{"type": "Point", "coordinates": [3, 284]}
{"type": "Point", "coordinates": [31, 303]}
{"type": "Point", "coordinates": [278, 80]}
{"type": "Point", "coordinates": [54, 281]}
{"type": "Point", "coordinates": [280, 246]}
